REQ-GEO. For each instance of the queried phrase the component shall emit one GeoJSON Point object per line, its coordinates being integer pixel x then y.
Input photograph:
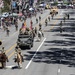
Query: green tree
{"type": "Point", "coordinates": [6, 7]}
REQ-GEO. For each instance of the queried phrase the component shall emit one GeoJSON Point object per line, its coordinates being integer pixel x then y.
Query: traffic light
{"type": "Point", "coordinates": [0, 42]}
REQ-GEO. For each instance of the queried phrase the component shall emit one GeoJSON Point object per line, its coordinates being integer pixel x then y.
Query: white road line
{"type": "Point", "coordinates": [9, 67]}
{"type": "Point", "coordinates": [58, 70]}
{"type": "Point", "coordinates": [35, 54]}
{"type": "Point", "coordinates": [14, 33]}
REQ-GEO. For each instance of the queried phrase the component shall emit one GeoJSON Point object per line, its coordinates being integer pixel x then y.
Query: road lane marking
{"type": "Point", "coordinates": [10, 48]}
{"type": "Point", "coordinates": [11, 54]}
{"type": "Point", "coordinates": [35, 54]}
{"type": "Point", "coordinates": [10, 67]}
{"type": "Point", "coordinates": [59, 70]}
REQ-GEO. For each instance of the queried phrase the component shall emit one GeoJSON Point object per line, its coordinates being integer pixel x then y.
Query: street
{"type": "Point", "coordinates": [53, 55]}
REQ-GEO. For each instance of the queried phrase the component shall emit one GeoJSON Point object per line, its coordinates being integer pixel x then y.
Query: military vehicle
{"type": "Point", "coordinates": [25, 40]}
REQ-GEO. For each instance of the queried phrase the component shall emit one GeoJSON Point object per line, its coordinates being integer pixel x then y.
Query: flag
{"type": "Point", "coordinates": [24, 26]}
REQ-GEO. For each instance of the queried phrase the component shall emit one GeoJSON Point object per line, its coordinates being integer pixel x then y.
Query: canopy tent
{"type": "Point", "coordinates": [5, 14]}
{"type": "Point", "coordinates": [13, 14]}
{"type": "Point", "coordinates": [31, 9]}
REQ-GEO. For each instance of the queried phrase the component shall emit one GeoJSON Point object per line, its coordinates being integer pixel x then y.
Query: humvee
{"type": "Point", "coordinates": [25, 40]}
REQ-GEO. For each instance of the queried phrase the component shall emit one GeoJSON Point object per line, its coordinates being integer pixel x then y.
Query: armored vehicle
{"type": "Point", "coordinates": [25, 40]}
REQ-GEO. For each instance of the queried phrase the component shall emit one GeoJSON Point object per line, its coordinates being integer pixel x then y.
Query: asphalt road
{"type": "Point", "coordinates": [54, 55]}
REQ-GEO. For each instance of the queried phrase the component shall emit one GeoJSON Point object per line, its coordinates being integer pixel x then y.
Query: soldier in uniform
{"type": "Point", "coordinates": [18, 56]}
{"type": "Point", "coordinates": [16, 26]}
{"type": "Point", "coordinates": [49, 18]}
{"type": "Point", "coordinates": [68, 16]}
{"type": "Point", "coordinates": [46, 22]}
{"type": "Point", "coordinates": [52, 15]}
{"type": "Point", "coordinates": [7, 31]}
{"type": "Point", "coordinates": [35, 30]}
{"type": "Point", "coordinates": [61, 24]}
{"type": "Point", "coordinates": [40, 26]}
{"type": "Point", "coordinates": [39, 18]}
{"type": "Point", "coordinates": [64, 19]}
{"type": "Point", "coordinates": [4, 58]}
{"type": "Point", "coordinates": [36, 20]}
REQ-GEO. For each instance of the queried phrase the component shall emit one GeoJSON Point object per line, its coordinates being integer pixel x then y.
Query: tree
{"type": "Point", "coordinates": [6, 7]}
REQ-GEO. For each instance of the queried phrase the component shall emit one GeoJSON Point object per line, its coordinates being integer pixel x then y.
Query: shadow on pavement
{"type": "Point", "coordinates": [65, 35]}
{"type": "Point", "coordinates": [53, 56]}
{"type": "Point", "coordinates": [62, 18]}
{"type": "Point", "coordinates": [60, 43]}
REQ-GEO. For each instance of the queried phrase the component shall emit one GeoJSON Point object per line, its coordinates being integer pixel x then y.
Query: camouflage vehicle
{"type": "Point", "coordinates": [25, 38]}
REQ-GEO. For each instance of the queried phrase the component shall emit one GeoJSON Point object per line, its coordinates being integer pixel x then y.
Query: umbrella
{"type": "Point", "coordinates": [41, 5]}
{"type": "Point", "coordinates": [31, 9]}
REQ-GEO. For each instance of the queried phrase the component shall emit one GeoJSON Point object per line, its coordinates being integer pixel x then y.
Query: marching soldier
{"type": "Point", "coordinates": [52, 15]}
{"type": "Point", "coordinates": [61, 24]}
{"type": "Point", "coordinates": [46, 22]}
{"type": "Point", "coordinates": [7, 31]}
{"type": "Point", "coordinates": [39, 18]}
{"type": "Point", "coordinates": [35, 30]}
{"type": "Point", "coordinates": [61, 29]}
{"type": "Point", "coordinates": [36, 20]}
{"type": "Point", "coordinates": [4, 58]}
{"type": "Point", "coordinates": [40, 26]}
{"type": "Point", "coordinates": [49, 18]}
{"type": "Point", "coordinates": [64, 19]}
{"type": "Point", "coordinates": [18, 56]}
{"type": "Point", "coordinates": [68, 16]}
{"type": "Point", "coordinates": [16, 26]}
